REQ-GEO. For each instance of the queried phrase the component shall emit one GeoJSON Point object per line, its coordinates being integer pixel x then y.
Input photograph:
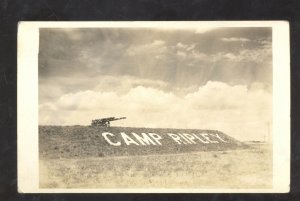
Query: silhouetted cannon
{"type": "Point", "coordinates": [104, 122]}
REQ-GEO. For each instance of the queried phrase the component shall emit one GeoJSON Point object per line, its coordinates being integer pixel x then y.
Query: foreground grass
{"type": "Point", "coordinates": [248, 168]}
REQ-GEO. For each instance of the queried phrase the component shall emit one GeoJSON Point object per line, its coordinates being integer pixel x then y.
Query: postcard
{"type": "Point", "coordinates": [159, 107]}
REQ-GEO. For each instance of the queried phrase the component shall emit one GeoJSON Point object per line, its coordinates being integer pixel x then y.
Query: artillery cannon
{"type": "Point", "coordinates": [104, 122]}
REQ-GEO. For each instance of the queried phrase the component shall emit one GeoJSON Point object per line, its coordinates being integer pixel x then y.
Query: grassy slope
{"type": "Point", "coordinates": [248, 168]}
{"type": "Point", "coordinates": [79, 157]}
{"type": "Point", "coordinates": [85, 141]}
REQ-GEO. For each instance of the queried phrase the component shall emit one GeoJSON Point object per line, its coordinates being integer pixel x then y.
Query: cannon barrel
{"type": "Point", "coordinates": [114, 119]}
{"type": "Point", "coordinates": [105, 121]}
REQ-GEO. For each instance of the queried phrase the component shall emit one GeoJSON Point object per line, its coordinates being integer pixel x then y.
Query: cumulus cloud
{"type": "Point", "coordinates": [234, 39]}
{"type": "Point", "coordinates": [240, 111]}
{"type": "Point", "coordinates": [50, 89]}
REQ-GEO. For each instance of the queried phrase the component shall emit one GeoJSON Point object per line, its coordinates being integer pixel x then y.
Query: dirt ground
{"type": "Point", "coordinates": [241, 169]}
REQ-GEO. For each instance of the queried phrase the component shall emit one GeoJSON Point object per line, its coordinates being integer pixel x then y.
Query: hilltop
{"type": "Point", "coordinates": [87, 141]}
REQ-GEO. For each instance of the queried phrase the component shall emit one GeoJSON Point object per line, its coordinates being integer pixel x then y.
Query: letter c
{"type": "Point", "coordinates": [105, 134]}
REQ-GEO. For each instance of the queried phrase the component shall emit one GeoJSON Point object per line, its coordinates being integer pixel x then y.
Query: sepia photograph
{"type": "Point", "coordinates": [155, 107]}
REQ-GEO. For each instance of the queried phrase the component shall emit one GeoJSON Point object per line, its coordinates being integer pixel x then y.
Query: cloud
{"type": "Point", "coordinates": [261, 54]}
{"type": "Point", "coordinates": [202, 30]}
{"type": "Point", "coordinates": [168, 56]}
{"type": "Point", "coordinates": [85, 100]}
{"type": "Point", "coordinates": [217, 96]}
{"type": "Point", "coordinates": [254, 55]}
{"type": "Point", "coordinates": [156, 47]}
{"type": "Point", "coordinates": [234, 39]}
{"type": "Point", "coordinates": [51, 89]}
{"type": "Point", "coordinates": [163, 67]}
{"type": "Point", "coordinates": [240, 111]}
{"type": "Point", "coordinates": [184, 47]}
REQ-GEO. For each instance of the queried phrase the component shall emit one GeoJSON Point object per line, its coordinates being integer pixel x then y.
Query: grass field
{"type": "Point", "coordinates": [248, 167]}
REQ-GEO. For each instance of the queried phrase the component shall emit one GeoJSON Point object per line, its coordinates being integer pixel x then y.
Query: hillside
{"type": "Point", "coordinates": [86, 141]}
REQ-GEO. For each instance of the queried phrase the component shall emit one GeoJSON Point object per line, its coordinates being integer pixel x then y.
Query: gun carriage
{"type": "Point", "coordinates": [104, 122]}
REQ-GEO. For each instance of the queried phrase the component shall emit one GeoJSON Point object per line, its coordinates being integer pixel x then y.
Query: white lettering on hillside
{"type": "Point", "coordinates": [105, 134]}
{"type": "Point", "coordinates": [145, 139]}
{"type": "Point", "coordinates": [156, 137]}
{"type": "Point", "coordinates": [200, 139]}
{"type": "Point", "coordinates": [205, 135]}
{"type": "Point", "coordinates": [184, 139]}
{"type": "Point", "coordinates": [217, 136]}
{"type": "Point", "coordinates": [175, 138]}
{"type": "Point", "coordinates": [128, 140]}
{"type": "Point", "coordinates": [190, 137]}
{"type": "Point", "coordinates": [148, 139]}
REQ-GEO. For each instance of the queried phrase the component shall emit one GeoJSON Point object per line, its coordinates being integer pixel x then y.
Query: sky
{"type": "Point", "coordinates": [203, 78]}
